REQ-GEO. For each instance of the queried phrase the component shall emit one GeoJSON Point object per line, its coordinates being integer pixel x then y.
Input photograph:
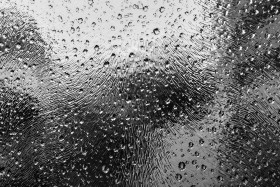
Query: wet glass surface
{"type": "Point", "coordinates": [157, 93]}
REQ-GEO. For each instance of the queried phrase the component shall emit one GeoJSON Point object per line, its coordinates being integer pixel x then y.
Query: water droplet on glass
{"type": "Point", "coordinates": [105, 169]}
{"type": "Point", "coordinates": [178, 177]}
{"type": "Point", "coordinates": [182, 165]}
{"type": "Point", "coordinates": [161, 9]}
{"type": "Point", "coordinates": [156, 31]}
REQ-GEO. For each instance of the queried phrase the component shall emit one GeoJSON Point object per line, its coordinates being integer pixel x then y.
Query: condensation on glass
{"type": "Point", "coordinates": [131, 93]}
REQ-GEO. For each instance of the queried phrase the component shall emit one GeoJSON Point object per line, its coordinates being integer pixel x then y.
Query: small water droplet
{"type": "Point", "coordinates": [93, 24]}
{"type": "Point", "coordinates": [119, 16]}
{"type": "Point", "coordinates": [106, 63]}
{"type": "Point", "coordinates": [182, 166]}
{"type": "Point", "coordinates": [96, 48]}
{"type": "Point", "coordinates": [145, 8]}
{"type": "Point", "coordinates": [105, 169]}
{"type": "Point", "coordinates": [80, 20]}
{"type": "Point", "coordinates": [156, 31]}
{"type": "Point", "coordinates": [178, 177]}
{"type": "Point", "coordinates": [161, 9]}
{"type": "Point", "coordinates": [18, 46]}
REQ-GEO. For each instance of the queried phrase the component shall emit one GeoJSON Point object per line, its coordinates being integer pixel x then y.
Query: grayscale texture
{"type": "Point", "coordinates": [153, 93]}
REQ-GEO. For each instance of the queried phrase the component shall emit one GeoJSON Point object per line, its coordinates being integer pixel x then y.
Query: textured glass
{"type": "Point", "coordinates": [154, 93]}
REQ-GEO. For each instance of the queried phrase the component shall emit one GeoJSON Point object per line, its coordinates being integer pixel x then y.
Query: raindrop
{"type": "Point", "coordinates": [145, 8]}
{"type": "Point", "coordinates": [80, 20]}
{"type": "Point", "coordinates": [93, 24]}
{"type": "Point", "coordinates": [106, 63]}
{"type": "Point", "coordinates": [182, 165]}
{"type": "Point", "coordinates": [204, 167]}
{"type": "Point", "coordinates": [178, 177]}
{"type": "Point", "coordinates": [96, 47]}
{"type": "Point", "coordinates": [156, 31]}
{"type": "Point", "coordinates": [162, 9]}
{"type": "Point", "coordinates": [18, 46]}
{"type": "Point", "coordinates": [119, 16]}
{"type": "Point", "coordinates": [191, 144]}
{"type": "Point", "coordinates": [105, 169]}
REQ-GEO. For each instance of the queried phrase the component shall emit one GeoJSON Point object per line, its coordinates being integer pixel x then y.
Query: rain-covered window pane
{"type": "Point", "coordinates": [130, 93]}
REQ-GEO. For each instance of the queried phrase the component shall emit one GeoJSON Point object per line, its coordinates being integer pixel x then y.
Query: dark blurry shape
{"type": "Point", "coordinates": [251, 136]}
{"type": "Point", "coordinates": [19, 113]}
